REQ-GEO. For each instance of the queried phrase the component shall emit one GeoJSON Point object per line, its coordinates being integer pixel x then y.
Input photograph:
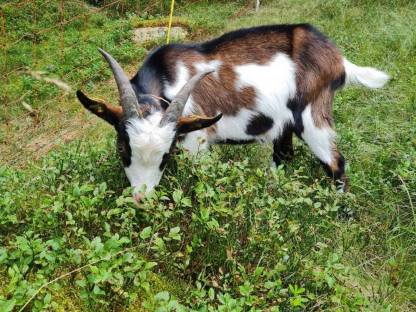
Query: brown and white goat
{"type": "Point", "coordinates": [265, 84]}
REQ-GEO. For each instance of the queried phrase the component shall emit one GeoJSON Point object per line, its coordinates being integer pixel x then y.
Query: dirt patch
{"type": "Point", "coordinates": [44, 142]}
{"type": "Point", "coordinates": [34, 133]}
{"type": "Point", "coordinates": [28, 138]}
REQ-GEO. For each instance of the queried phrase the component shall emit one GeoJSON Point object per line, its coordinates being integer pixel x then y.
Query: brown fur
{"type": "Point", "coordinates": [335, 169]}
{"type": "Point", "coordinates": [225, 99]}
{"type": "Point", "coordinates": [256, 48]}
{"type": "Point", "coordinates": [322, 108]}
{"type": "Point", "coordinates": [318, 63]}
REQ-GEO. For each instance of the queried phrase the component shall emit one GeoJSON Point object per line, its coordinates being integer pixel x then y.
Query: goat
{"type": "Point", "coordinates": [257, 84]}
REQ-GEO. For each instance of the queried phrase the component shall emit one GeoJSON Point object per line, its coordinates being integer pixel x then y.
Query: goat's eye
{"type": "Point", "coordinates": [165, 159]}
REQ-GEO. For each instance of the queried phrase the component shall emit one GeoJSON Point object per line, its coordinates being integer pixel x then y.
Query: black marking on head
{"type": "Point", "coordinates": [259, 124]}
{"type": "Point", "coordinates": [339, 173]}
{"type": "Point", "coordinates": [150, 77]}
{"type": "Point", "coordinates": [167, 155]}
{"type": "Point", "coordinates": [181, 137]}
{"type": "Point", "coordinates": [155, 71]}
{"type": "Point", "coordinates": [145, 99]}
{"type": "Point", "coordinates": [164, 162]}
{"type": "Point", "coordinates": [148, 105]}
{"type": "Point", "coordinates": [338, 83]}
{"type": "Point", "coordinates": [123, 144]}
{"type": "Point", "coordinates": [297, 106]}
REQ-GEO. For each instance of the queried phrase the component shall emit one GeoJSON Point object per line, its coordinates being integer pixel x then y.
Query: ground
{"type": "Point", "coordinates": [224, 232]}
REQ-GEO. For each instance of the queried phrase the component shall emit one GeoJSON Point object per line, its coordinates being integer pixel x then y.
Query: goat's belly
{"type": "Point", "coordinates": [250, 125]}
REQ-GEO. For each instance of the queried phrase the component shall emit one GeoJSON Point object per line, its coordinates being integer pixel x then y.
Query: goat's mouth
{"type": "Point", "coordinates": [138, 197]}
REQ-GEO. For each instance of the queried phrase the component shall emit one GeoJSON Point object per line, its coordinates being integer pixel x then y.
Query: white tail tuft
{"type": "Point", "coordinates": [367, 76]}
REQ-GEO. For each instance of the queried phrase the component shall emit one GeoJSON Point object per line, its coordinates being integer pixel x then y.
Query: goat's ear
{"type": "Point", "coordinates": [192, 123]}
{"type": "Point", "coordinates": [111, 114]}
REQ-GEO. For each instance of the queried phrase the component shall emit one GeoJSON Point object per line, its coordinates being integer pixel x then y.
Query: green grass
{"type": "Point", "coordinates": [223, 232]}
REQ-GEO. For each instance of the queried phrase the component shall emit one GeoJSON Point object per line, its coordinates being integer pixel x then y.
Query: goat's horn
{"type": "Point", "coordinates": [128, 98]}
{"type": "Point", "coordinates": [175, 109]}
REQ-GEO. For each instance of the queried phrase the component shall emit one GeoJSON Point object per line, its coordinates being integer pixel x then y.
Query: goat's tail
{"type": "Point", "coordinates": [366, 76]}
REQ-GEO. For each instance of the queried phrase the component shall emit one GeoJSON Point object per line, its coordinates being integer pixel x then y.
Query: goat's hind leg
{"type": "Point", "coordinates": [321, 140]}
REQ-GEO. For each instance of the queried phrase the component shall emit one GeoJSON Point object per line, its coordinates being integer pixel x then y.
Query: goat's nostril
{"type": "Point", "coordinates": [138, 197]}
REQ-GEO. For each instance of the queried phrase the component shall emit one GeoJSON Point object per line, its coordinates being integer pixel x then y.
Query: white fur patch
{"type": "Point", "coordinates": [234, 127]}
{"type": "Point", "coordinates": [189, 107]}
{"type": "Point", "coordinates": [197, 140]}
{"type": "Point", "coordinates": [206, 66]}
{"type": "Point", "coordinates": [148, 143]}
{"type": "Point", "coordinates": [319, 140]}
{"type": "Point", "coordinates": [275, 84]}
{"type": "Point", "coordinates": [182, 76]}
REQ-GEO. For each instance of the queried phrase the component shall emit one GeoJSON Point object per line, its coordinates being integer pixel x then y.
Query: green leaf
{"type": "Point", "coordinates": [162, 296]}
{"type": "Point", "coordinates": [7, 305]}
{"type": "Point", "coordinates": [211, 293]}
{"type": "Point", "coordinates": [177, 195]}
{"type": "Point", "coordinates": [174, 233]}
{"type": "Point", "coordinates": [204, 214]}
{"type": "Point", "coordinates": [150, 265]}
{"type": "Point", "coordinates": [146, 232]}
{"type": "Point", "coordinates": [81, 283]}
{"type": "Point", "coordinates": [245, 289]}
{"type": "Point", "coordinates": [97, 290]}
{"type": "Point", "coordinates": [47, 298]}
{"type": "Point", "coordinates": [3, 255]}
{"type": "Point", "coordinates": [76, 191]}
{"type": "Point", "coordinates": [186, 202]}
{"type": "Point", "coordinates": [159, 243]}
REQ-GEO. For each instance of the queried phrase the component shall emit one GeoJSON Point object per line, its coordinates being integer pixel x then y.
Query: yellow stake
{"type": "Point", "coordinates": [172, 3]}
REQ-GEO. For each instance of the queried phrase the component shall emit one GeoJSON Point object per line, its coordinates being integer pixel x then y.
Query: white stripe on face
{"type": "Point", "coordinates": [148, 143]}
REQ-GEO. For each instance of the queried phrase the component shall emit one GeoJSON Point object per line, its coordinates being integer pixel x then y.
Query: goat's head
{"type": "Point", "coordinates": [146, 134]}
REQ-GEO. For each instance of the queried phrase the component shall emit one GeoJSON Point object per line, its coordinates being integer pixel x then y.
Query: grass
{"type": "Point", "coordinates": [223, 231]}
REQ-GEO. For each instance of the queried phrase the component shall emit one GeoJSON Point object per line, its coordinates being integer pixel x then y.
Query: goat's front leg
{"type": "Point", "coordinates": [321, 141]}
{"type": "Point", "coordinates": [283, 147]}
